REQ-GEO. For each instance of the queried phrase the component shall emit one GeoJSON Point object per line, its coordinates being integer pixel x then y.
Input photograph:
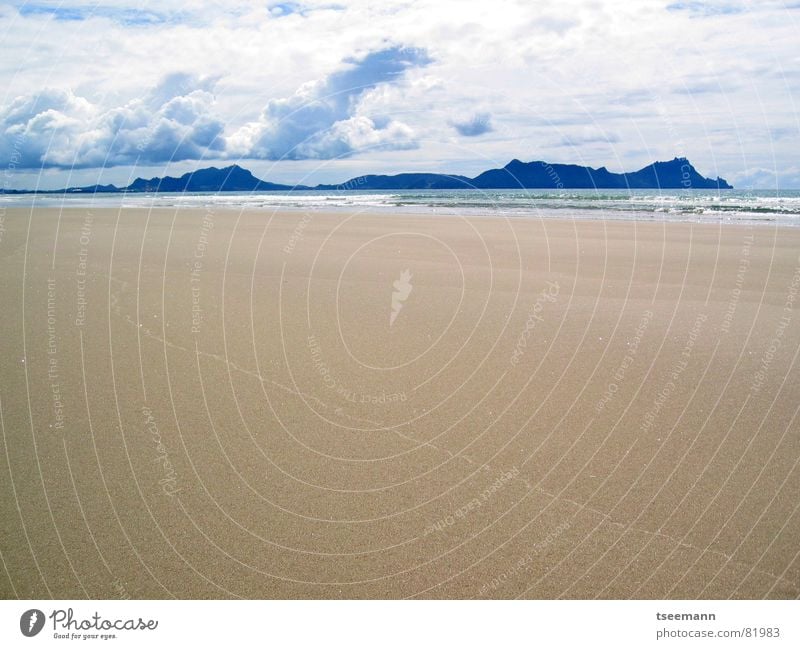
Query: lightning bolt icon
{"type": "Point", "coordinates": [32, 621]}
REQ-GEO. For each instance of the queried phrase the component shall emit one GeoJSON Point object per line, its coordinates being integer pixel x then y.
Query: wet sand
{"type": "Point", "coordinates": [214, 404]}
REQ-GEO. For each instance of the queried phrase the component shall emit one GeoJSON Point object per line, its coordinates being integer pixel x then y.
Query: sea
{"type": "Point", "coordinates": [752, 207]}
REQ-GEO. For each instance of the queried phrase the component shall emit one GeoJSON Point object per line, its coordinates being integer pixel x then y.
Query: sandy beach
{"type": "Point", "coordinates": [222, 404]}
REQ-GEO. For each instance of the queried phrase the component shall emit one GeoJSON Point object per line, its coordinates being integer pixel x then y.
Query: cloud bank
{"type": "Point", "coordinates": [324, 119]}
{"type": "Point", "coordinates": [57, 128]}
{"type": "Point", "coordinates": [175, 121]}
{"type": "Point", "coordinates": [113, 84]}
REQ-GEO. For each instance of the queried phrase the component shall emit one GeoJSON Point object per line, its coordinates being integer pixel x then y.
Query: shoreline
{"type": "Point", "coordinates": [454, 212]}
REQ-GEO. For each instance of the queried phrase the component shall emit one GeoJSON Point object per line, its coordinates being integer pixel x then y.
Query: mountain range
{"type": "Point", "coordinates": [674, 174]}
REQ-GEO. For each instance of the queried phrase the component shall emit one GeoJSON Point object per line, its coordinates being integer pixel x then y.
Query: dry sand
{"type": "Point", "coordinates": [221, 408]}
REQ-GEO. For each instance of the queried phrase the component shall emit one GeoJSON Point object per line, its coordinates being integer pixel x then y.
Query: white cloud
{"type": "Point", "coordinates": [56, 128]}
{"type": "Point", "coordinates": [760, 178]}
{"type": "Point", "coordinates": [324, 119]}
{"type": "Point", "coordinates": [660, 75]}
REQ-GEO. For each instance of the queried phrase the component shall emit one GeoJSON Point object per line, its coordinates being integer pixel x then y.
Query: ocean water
{"type": "Point", "coordinates": [698, 206]}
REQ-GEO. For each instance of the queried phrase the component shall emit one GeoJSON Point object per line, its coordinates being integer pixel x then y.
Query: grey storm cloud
{"type": "Point", "coordinates": [478, 124]}
{"type": "Point", "coordinates": [322, 120]}
{"type": "Point", "coordinates": [56, 128]}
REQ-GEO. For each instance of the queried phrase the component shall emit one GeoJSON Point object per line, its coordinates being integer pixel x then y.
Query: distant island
{"type": "Point", "coordinates": [674, 174]}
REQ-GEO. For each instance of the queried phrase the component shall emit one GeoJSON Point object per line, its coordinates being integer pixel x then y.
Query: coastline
{"type": "Point", "coordinates": [781, 208]}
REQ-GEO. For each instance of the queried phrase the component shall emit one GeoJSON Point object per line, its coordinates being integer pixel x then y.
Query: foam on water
{"type": "Point", "coordinates": [702, 206]}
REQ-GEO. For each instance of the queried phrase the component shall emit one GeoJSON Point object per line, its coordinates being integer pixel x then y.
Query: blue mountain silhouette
{"type": "Point", "coordinates": [673, 174]}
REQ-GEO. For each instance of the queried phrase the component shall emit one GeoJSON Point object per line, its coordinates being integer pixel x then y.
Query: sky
{"type": "Point", "coordinates": [319, 92]}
